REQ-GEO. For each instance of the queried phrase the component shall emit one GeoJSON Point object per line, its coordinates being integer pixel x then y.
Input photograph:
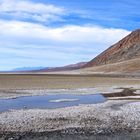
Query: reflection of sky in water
{"type": "Point", "coordinates": [50, 101]}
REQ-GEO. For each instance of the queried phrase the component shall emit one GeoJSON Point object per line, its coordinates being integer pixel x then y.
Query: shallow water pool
{"type": "Point", "coordinates": [50, 101]}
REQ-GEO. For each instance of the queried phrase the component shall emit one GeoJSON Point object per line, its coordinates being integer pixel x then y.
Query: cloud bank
{"type": "Point", "coordinates": [32, 44]}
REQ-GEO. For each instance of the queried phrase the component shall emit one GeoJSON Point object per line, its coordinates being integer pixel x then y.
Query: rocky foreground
{"type": "Point", "coordinates": [111, 117]}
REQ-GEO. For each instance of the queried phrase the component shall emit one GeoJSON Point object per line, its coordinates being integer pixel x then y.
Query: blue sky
{"type": "Point", "coordinates": [60, 32]}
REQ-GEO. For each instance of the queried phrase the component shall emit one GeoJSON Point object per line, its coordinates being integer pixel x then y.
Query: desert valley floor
{"type": "Point", "coordinates": [116, 117]}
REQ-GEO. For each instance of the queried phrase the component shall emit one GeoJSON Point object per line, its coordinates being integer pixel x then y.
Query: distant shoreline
{"type": "Point", "coordinates": [116, 75]}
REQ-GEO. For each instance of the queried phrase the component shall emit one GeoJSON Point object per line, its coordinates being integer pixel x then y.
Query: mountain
{"type": "Point", "coordinates": [124, 56]}
{"type": "Point", "coordinates": [28, 68]}
{"type": "Point", "coordinates": [64, 68]}
{"type": "Point", "coordinates": [126, 49]}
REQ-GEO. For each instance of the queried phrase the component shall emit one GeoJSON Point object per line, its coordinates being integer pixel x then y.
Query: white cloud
{"type": "Point", "coordinates": [35, 45]}
{"type": "Point", "coordinates": [69, 33]}
{"type": "Point", "coordinates": [30, 10]}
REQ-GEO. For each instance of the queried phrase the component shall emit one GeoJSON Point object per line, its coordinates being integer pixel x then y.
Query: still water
{"type": "Point", "coordinates": [50, 101]}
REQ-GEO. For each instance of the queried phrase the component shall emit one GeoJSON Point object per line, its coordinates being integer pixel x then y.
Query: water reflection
{"type": "Point", "coordinates": [50, 101]}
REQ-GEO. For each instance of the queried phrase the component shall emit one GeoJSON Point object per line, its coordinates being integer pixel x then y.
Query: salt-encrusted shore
{"type": "Point", "coordinates": [16, 85]}
{"type": "Point", "coordinates": [114, 116]}
{"type": "Point", "coordinates": [15, 93]}
{"type": "Point", "coordinates": [105, 118]}
{"type": "Point", "coordinates": [108, 118]}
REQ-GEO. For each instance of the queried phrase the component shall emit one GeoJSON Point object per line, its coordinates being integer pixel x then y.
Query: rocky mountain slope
{"type": "Point", "coordinates": [126, 49]}
{"type": "Point", "coordinates": [116, 58]}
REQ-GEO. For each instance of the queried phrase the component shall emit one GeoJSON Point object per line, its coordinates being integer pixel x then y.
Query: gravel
{"type": "Point", "coordinates": [104, 118]}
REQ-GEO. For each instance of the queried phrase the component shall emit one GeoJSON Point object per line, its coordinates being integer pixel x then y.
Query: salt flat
{"type": "Point", "coordinates": [110, 117]}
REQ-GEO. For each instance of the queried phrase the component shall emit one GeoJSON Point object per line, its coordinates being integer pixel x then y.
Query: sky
{"type": "Point", "coordinates": [52, 33]}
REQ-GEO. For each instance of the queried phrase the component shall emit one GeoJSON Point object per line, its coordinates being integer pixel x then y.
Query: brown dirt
{"type": "Point", "coordinates": [131, 66]}
{"type": "Point", "coordinates": [125, 92]}
{"type": "Point", "coordinates": [46, 81]}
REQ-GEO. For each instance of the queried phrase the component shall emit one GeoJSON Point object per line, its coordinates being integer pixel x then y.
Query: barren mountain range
{"type": "Point", "coordinates": [124, 56]}
{"type": "Point", "coordinates": [65, 68]}
{"type": "Point", "coordinates": [126, 49]}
